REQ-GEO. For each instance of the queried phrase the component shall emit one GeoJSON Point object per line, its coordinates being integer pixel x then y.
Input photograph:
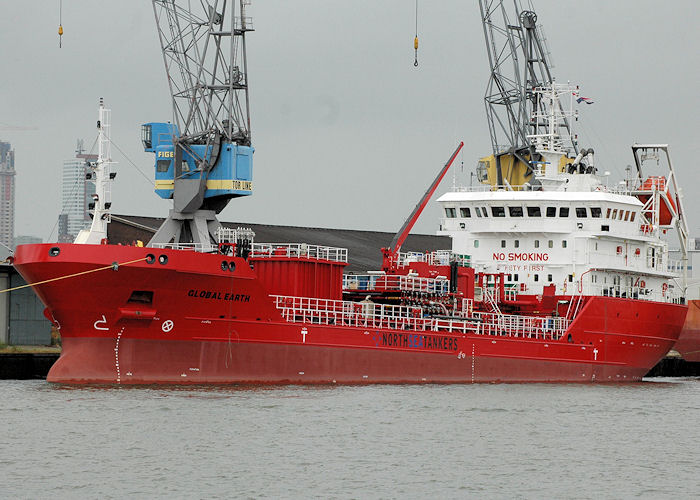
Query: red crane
{"type": "Point", "coordinates": [389, 254]}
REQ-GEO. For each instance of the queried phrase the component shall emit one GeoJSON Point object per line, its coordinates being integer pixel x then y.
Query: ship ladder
{"type": "Point", "coordinates": [492, 303]}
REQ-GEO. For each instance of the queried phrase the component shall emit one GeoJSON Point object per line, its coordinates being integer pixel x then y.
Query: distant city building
{"type": "Point", "coordinates": [7, 194]}
{"type": "Point", "coordinates": [76, 196]}
{"type": "Point", "coordinates": [26, 240]}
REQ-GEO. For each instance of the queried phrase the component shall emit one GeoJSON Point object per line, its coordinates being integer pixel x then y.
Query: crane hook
{"type": "Point", "coordinates": [415, 40]}
{"type": "Point", "coordinates": [415, 47]}
{"type": "Point", "coordinates": [60, 23]}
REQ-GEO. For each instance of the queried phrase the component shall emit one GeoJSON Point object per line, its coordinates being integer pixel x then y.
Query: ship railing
{"type": "Point", "coordinates": [435, 258]}
{"type": "Point", "coordinates": [303, 250]}
{"type": "Point", "coordinates": [409, 283]}
{"type": "Point", "coordinates": [233, 235]}
{"type": "Point", "coordinates": [511, 325]}
{"type": "Point", "coordinates": [367, 314]}
{"type": "Point", "coordinates": [197, 247]}
{"type": "Point", "coordinates": [669, 294]}
{"type": "Point", "coordinates": [364, 314]}
{"type": "Point", "coordinates": [481, 188]}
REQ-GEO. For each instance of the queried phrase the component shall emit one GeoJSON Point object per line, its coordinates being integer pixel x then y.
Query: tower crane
{"type": "Point", "coordinates": [204, 155]}
{"type": "Point", "coordinates": [520, 65]}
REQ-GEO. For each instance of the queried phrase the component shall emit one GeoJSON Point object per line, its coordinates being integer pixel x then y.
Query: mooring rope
{"type": "Point", "coordinates": [113, 265]}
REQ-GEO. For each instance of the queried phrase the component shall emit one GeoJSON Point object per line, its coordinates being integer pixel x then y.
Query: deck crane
{"type": "Point", "coordinates": [389, 255]}
{"type": "Point", "coordinates": [520, 64]}
{"type": "Point", "coordinates": [204, 157]}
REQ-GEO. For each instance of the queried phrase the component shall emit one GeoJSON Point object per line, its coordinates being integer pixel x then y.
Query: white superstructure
{"type": "Point", "coordinates": [566, 229]}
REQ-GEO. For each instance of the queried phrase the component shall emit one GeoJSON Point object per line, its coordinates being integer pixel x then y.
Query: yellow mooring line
{"type": "Point", "coordinates": [114, 266]}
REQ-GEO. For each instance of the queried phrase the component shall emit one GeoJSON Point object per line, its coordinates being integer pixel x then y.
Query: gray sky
{"type": "Point", "coordinates": [348, 134]}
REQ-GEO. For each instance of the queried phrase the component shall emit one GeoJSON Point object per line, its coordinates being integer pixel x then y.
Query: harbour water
{"type": "Point", "coordinates": [456, 441]}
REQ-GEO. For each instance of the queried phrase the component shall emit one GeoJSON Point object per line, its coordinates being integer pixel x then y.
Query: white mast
{"type": "Point", "coordinates": [100, 171]}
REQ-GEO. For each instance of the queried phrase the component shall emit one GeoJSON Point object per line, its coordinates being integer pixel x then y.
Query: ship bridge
{"type": "Point", "coordinates": [591, 242]}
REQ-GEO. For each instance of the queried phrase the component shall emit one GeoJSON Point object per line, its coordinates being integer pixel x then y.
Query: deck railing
{"type": "Point", "coordinates": [436, 258]}
{"type": "Point", "coordinates": [381, 283]}
{"type": "Point", "coordinates": [389, 317]}
{"type": "Point", "coordinates": [334, 254]}
{"type": "Point", "coordinates": [197, 247]}
{"type": "Point", "coordinates": [670, 294]}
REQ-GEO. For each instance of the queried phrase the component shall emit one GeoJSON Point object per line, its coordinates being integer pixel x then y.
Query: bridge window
{"type": "Point", "coordinates": [478, 211]}
{"type": "Point", "coordinates": [465, 212]}
{"type": "Point", "coordinates": [498, 211]}
{"type": "Point", "coordinates": [451, 213]}
{"type": "Point", "coordinates": [537, 243]}
{"type": "Point", "coordinates": [534, 212]}
{"type": "Point", "coordinates": [162, 165]}
{"type": "Point", "coordinates": [503, 243]}
{"type": "Point", "coordinates": [627, 215]}
{"type": "Point", "coordinates": [537, 277]}
{"type": "Point", "coordinates": [515, 211]}
{"type": "Point", "coordinates": [607, 214]}
{"type": "Point", "coordinates": [563, 211]}
{"type": "Point", "coordinates": [563, 243]}
{"type": "Point", "coordinates": [632, 214]}
{"type": "Point", "coordinates": [476, 243]}
{"type": "Point", "coordinates": [581, 212]}
{"type": "Point", "coordinates": [516, 243]}
{"type": "Point", "coordinates": [614, 214]}
{"type": "Point", "coordinates": [550, 244]}
{"type": "Point", "coordinates": [549, 278]}
{"type": "Point", "coordinates": [551, 211]}
{"type": "Point", "coordinates": [605, 227]}
{"type": "Point", "coordinates": [483, 210]}
{"type": "Point", "coordinates": [596, 212]}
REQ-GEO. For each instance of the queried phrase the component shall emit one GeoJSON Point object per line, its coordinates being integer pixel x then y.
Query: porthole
{"type": "Point", "coordinates": [150, 258]}
{"type": "Point", "coordinates": [163, 259]}
{"type": "Point", "coordinates": [224, 265]}
{"type": "Point", "coordinates": [232, 266]}
{"type": "Point", "coordinates": [54, 251]}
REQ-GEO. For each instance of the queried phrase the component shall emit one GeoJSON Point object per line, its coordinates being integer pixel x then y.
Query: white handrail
{"type": "Point", "coordinates": [367, 314]}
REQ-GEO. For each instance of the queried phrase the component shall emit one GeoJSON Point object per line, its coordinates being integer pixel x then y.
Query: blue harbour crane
{"type": "Point", "coordinates": [204, 156]}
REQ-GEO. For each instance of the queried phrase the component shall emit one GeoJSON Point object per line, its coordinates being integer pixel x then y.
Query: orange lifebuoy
{"type": "Point", "coordinates": [642, 284]}
{"type": "Point", "coordinates": [664, 288]}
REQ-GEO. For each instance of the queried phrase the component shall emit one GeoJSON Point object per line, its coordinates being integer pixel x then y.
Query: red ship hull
{"type": "Point", "coordinates": [688, 344]}
{"type": "Point", "coordinates": [208, 325]}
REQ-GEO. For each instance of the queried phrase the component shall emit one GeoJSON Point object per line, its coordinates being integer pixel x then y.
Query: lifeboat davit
{"type": "Point", "coordinates": [667, 207]}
